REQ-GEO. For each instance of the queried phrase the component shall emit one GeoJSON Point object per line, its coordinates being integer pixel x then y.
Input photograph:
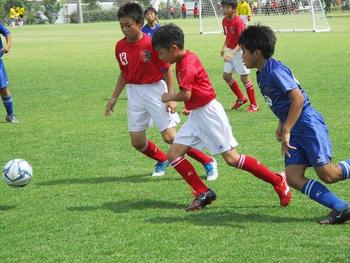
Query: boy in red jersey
{"type": "Point", "coordinates": [207, 126]}
{"type": "Point", "coordinates": [143, 72]}
{"type": "Point", "coordinates": [232, 55]}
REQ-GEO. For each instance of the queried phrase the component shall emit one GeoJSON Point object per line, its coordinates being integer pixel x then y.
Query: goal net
{"type": "Point", "coordinates": [280, 15]}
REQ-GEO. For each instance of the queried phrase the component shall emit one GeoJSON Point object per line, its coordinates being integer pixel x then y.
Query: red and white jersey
{"type": "Point", "coordinates": [192, 76]}
{"type": "Point", "coordinates": [139, 62]}
{"type": "Point", "coordinates": [232, 30]}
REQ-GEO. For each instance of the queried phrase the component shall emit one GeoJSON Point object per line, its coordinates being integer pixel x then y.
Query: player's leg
{"type": "Point", "coordinates": [332, 173]}
{"type": "Point", "coordinates": [227, 76]}
{"type": "Point", "coordinates": [140, 142]}
{"type": "Point", "coordinates": [6, 95]}
{"type": "Point", "coordinates": [319, 193]}
{"type": "Point", "coordinates": [204, 195]}
{"type": "Point", "coordinates": [208, 162]}
{"type": "Point", "coordinates": [243, 71]}
{"type": "Point", "coordinates": [253, 166]}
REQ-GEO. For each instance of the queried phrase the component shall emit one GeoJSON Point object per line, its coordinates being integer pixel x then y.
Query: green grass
{"type": "Point", "coordinates": [92, 198]}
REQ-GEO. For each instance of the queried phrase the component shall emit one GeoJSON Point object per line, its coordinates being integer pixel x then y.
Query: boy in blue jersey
{"type": "Point", "coordinates": [152, 21]}
{"type": "Point", "coordinates": [4, 90]}
{"type": "Point", "coordinates": [301, 129]}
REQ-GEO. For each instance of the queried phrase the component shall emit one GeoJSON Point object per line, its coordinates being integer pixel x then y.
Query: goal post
{"type": "Point", "coordinates": [280, 15]}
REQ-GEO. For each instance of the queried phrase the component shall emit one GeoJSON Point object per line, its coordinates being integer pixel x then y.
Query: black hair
{"type": "Point", "coordinates": [150, 9]}
{"type": "Point", "coordinates": [132, 10]}
{"type": "Point", "coordinates": [259, 37]}
{"type": "Point", "coordinates": [168, 35]}
{"type": "Point", "coordinates": [232, 3]}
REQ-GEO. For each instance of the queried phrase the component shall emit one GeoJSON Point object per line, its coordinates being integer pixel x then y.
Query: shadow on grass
{"type": "Point", "coordinates": [6, 207]}
{"type": "Point", "coordinates": [212, 218]}
{"type": "Point", "coordinates": [129, 205]}
{"type": "Point", "coordinates": [143, 178]}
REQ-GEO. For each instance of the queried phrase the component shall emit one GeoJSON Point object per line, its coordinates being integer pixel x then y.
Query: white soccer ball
{"type": "Point", "coordinates": [17, 173]}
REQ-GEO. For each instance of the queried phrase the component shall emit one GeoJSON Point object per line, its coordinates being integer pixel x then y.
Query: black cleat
{"type": "Point", "coordinates": [337, 217]}
{"type": "Point", "coordinates": [202, 200]}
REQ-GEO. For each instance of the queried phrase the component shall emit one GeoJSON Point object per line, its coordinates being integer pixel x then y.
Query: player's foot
{"type": "Point", "coordinates": [337, 217]}
{"type": "Point", "coordinates": [202, 200]}
{"type": "Point", "coordinates": [212, 170]}
{"type": "Point", "coordinates": [11, 119]}
{"type": "Point", "coordinates": [159, 168]}
{"type": "Point", "coordinates": [283, 190]}
{"type": "Point", "coordinates": [253, 108]}
{"type": "Point", "coordinates": [186, 112]}
{"type": "Point", "coordinates": [239, 103]}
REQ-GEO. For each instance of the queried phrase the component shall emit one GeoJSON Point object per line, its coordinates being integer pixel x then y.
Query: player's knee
{"type": "Point", "coordinates": [168, 139]}
{"type": "Point", "coordinates": [328, 179]}
{"type": "Point", "coordinates": [138, 145]}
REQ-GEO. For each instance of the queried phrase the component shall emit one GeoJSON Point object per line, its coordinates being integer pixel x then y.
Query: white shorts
{"type": "Point", "coordinates": [244, 18]}
{"type": "Point", "coordinates": [236, 64]}
{"type": "Point", "coordinates": [145, 105]}
{"type": "Point", "coordinates": [207, 127]}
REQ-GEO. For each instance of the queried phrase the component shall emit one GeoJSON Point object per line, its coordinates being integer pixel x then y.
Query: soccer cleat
{"type": "Point", "coordinates": [337, 217]}
{"type": "Point", "coordinates": [253, 108]}
{"type": "Point", "coordinates": [202, 200]}
{"type": "Point", "coordinates": [159, 168]}
{"type": "Point", "coordinates": [239, 103]}
{"type": "Point", "coordinates": [283, 190]}
{"type": "Point", "coordinates": [212, 170]}
{"type": "Point", "coordinates": [11, 119]}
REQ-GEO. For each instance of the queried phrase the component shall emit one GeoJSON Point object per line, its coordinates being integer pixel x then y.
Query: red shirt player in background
{"type": "Point", "coordinates": [143, 73]}
{"type": "Point", "coordinates": [196, 10]}
{"type": "Point", "coordinates": [183, 10]}
{"type": "Point", "coordinates": [232, 55]}
{"type": "Point", "coordinates": [207, 126]}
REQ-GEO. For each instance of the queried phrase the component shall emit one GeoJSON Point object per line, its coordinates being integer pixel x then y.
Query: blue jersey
{"type": "Point", "coordinates": [149, 30]}
{"type": "Point", "coordinates": [5, 32]}
{"type": "Point", "coordinates": [275, 80]}
{"type": "Point", "coordinates": [310, 133]}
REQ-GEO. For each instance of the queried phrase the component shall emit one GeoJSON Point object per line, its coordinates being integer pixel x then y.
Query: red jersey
{"type": "Point", "coordinates": [232, 30]}
{"type": "Point", "coordinates": [192, 76]}
{"type": "Point", "coordinates": [139, 62]}
{"type": "Point", "coordinates": [196, 11]}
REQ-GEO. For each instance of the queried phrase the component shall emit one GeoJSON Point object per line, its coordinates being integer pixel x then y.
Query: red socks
{"type": "Point", "coordinates": [185, 168]}
{"type": "Point", "coordinates": [152, 151]}
{"type": "Point", "coordinates": [253, 166]}
{"type": "Point", "coordinates": [199, 156]}
{"type": "Point", "coordinates": [250, 91]}
{"type": "Point", "coordinates": [235, 89]}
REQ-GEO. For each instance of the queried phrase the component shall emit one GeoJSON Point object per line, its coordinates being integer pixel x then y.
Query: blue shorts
{"type": "Point", "coordinates": [4, 81]}
{"type": "Point", "coordinates": [310, 137]}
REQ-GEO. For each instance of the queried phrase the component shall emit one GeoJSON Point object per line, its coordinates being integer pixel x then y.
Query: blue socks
{"type": "Point", "coordinates": [345, 167]}
{"type": "Point", "coordinates": [322, 195]}
{"type": "Point", "coordinates": [8, 104]}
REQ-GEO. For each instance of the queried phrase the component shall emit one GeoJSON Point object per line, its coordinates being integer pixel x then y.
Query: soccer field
{"type": "Point", "coordinates": [92, 198]}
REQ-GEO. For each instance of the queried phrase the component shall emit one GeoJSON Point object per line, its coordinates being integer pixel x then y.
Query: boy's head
{"type": "Point", "coordinates": [257, 42]}
{"type": "Point", "coordinates": [229, 7]}
{"type": "Point", "coordinates": [150, 14]}
{"type": "Point", "coordinates": [130, 18]}
{"type": "Point", "coordinates": [169, 41]}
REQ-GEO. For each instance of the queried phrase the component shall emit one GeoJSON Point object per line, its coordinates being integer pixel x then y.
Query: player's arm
{"type": "Point", "coordinates": [119, 86]}
{"type": "Point", "coordinates": [6, 33]}
{"type": "Point", "coordinates": [182, 95]}
{"type": "Point", "coordinates": [168, 78]}
{"type": "Point", "coordinates": [296, 107]}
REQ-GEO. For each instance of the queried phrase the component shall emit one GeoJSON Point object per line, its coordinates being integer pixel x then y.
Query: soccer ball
{"type": "Point", "coordinates": [17, 173]}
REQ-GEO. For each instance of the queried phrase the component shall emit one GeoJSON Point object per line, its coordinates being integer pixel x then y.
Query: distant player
{"type": "Point", "coordinates": [301, 129]}
{"type": "Point", "coordinates": [142, 72]}
{"type": "Point", "coordinates": [151, 17]}
{"type": "Point", "coordinates": [195, 10]}
{"type": "Point", "coordinates": [244, 12]}
{"type": "Point", "coordinates": [4, 82]}
{"type": "Point", "coordinates": [232, 55]}
{"type": "Point", "coordinates": [207, 126]}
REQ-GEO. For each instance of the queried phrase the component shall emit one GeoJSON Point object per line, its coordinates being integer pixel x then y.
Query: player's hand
{"type": "Point", "coordinates": [110, 106]}
{"type": "Point", "coordinates": [166, 97]}
{"type": "Point", "coordinates": [227, 59]}
{"type": "Point", "coordinates": [5, 50]}
{"type": "Point", "coordinates": [285, 144]}
{"type": "Point", "coordinates": [278, 133]}
{"type": "Point", "coordinates": [222, 52]}
{"type": "Point", "coordinates": [171, 106]}
{"type": "Point", "coordinates": [186, 112]}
